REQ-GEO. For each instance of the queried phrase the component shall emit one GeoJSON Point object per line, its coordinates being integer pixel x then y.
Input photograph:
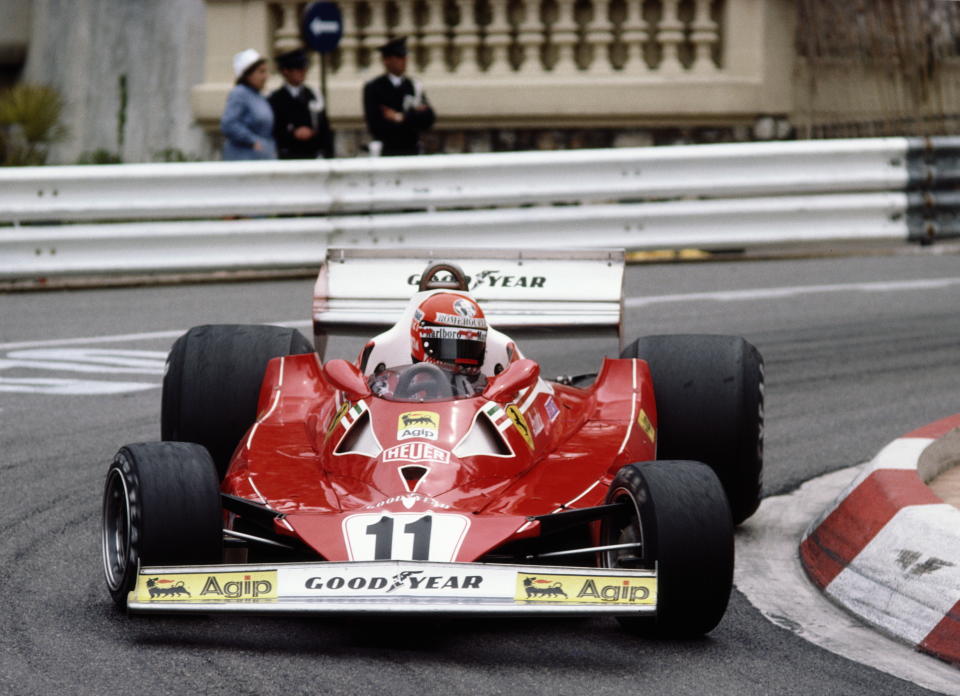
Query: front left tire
{"type": "Point", "coordinates": [161, 506]}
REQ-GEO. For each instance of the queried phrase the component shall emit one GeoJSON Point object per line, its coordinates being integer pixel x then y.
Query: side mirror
{"type": "Point", "coordinates": [517, 377]}
{"type": "Point", "coordinates": [346, 377]}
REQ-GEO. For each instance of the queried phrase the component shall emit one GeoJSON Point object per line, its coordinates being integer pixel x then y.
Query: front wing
{"type": "Point", "coordinates": [390, 587]}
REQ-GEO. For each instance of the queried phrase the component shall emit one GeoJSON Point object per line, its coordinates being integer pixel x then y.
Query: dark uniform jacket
{"type": "Point", "coordinates": [397, 138]}
{"type": "Point", "coordinates": [289, 113]}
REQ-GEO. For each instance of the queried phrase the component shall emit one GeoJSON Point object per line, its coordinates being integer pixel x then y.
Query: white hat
{"type": "Point", "coordinates": [243, 60]}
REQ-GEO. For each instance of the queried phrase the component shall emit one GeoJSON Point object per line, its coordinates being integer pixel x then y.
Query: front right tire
{"type": "Point", "coordinates": [677, 514]}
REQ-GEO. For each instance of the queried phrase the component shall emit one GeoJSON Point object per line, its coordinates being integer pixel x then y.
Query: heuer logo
{"type": "Point", "coordinates": [423, 424]}
{"type": "Point", "coordinates": [491, 279]}
{"type": "Point", "coordinates": [416, 452]}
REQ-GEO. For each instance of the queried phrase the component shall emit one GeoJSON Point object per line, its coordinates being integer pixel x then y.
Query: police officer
{"type": "Point", "coordinates": [300, 124]}
{"type": "Point", "coordinates": [396, 107]}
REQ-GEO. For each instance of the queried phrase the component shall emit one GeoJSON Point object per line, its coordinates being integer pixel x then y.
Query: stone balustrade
{"type": "Point", "coordinates": [535, 38]}
{"type": "Point", "coordinates": [536, 63]}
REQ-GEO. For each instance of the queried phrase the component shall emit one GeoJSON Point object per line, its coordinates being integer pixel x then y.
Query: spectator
{"type": "Point", "coordinates": [247, 121]}
{"type": "Point", "coordinates": [396, 107]}
{"type": "Point", "coordinates": [300, 125]}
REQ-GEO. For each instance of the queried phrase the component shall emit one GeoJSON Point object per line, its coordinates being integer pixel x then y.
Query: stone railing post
{"type": "Point", "coordinates": [434, 39]}
{"type": "Point", "coordinates": [378, 31]}
{"type": "Point", "coordinates": [498, 37]}
{"type": "Point", "coordinates": [350, 44]}
{"type": "Point", "coordinates": [633, 35]}
{"type": "Point", "coordinates": [530, 39]}
{"type": "Point", "coordinates": [466, 38]}
{"type": "Point", "coordinates": [599, 35]}
{"type": "Point", "coordinates": [705, 34]}
{"type": "Point", "coordinates": [564, 37]}
{"type": "Point", "coordinates": [287, 36]}
{"type": "Point", "coordinates": [670, 36]}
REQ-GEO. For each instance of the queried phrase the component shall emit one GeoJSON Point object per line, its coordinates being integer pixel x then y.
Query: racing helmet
{"type": "Point", "coordinates": [450, 331]}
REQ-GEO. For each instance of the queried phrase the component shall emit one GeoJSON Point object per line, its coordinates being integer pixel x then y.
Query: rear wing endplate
{"type": "Point", "coordinates": [364, 291]}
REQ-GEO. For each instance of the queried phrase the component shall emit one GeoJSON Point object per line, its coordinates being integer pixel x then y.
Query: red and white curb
{"type": "Point", "coordinates": [888, 549]}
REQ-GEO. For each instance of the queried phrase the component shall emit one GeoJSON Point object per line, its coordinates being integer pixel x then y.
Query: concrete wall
{"type": "Point", "coordinates": [90, 49]}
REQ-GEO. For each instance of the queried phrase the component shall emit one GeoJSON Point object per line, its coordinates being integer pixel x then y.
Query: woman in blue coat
{"type": "Point", "coordinates": [247, 121]}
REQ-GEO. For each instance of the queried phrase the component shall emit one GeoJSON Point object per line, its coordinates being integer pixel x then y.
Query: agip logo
{"type": "Point", "coordinates": [196, 587]}
{"type": "Point", "coordinates": [586, 589]}
{"type": "Point", "coordinates": [422, 424]}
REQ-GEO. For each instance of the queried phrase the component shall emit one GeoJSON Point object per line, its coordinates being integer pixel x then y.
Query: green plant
{"type": "Point", "coordinates": [29, 122]}
{"type": "Point", "coordinates": [99, 156]}
{"type": "Point", "coordinates": [174, 154]}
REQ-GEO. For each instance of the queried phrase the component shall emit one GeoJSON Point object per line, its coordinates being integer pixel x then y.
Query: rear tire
{"type": "Point", "coordinates": [161, 506]}
{"type": "Point", "coordinates": [212, 383]}
{"type": "Point", "coordinates": [709, 395]}
{"type": "Point", "coordinates": [678, 511]}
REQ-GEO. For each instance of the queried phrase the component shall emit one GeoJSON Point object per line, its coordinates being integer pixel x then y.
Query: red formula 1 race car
{"type": "Point", "coordinates": [440, 472]}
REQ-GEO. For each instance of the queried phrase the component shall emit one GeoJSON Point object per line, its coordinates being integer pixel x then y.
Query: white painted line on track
{"type": "Point", "coordinates": [794, 291]}
{"type": "Point", "coordinates": [123, 338]}
{"type": "Point", "coordinates": [768, 572]}
{"type": "Point", "coordinates": [717, 296]}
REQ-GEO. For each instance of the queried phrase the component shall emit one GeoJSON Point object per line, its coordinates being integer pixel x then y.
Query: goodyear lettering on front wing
{"type": "Point", "coordinates": [586, 589]}
{"type": "Point", "coordinates": [205, 587]}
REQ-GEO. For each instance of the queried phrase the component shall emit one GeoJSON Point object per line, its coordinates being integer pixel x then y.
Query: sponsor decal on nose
{"type": "Point", "coordinates": [421, 424]}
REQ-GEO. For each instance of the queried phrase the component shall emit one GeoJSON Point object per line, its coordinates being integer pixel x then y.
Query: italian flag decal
{"type": "Point", "coordinates": [351, 414]}
{"type": "Point", "coordinates": [496, 414]}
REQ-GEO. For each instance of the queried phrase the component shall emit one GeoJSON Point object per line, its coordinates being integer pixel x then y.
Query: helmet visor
{"type": "Point", "coordinates": [456, 346]}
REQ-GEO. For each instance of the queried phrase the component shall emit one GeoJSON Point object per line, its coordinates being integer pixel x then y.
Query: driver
{"type": "Point", "coordinates": [449, 331]}
{"type": "Point", "coordinates": [448, 337]}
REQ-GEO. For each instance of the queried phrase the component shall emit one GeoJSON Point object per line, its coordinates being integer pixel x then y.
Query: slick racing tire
{"type": "Point", "coordinates": [161, 506]}
{"type": "Point", "coordinates": [678, 513]}
{"type": "Point", "coordinates": [709, 396]}
{"type": "Point", "coordinates": [212, 383]}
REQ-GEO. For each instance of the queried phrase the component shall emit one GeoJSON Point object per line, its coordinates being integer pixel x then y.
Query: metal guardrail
{"type": "Point", "coordinates": [196, 216]}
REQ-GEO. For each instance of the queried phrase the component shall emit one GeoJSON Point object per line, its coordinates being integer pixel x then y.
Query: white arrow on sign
{"type": "Point", "coordinates": [318, 27]}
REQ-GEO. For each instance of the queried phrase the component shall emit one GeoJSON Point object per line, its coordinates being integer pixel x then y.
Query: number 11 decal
{"type": "Point", "coordinates": [404, 536]}
{"type": "Point", "coordinates": [383, 531]}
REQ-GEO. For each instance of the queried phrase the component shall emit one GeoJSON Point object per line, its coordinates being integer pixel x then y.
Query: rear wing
{"type": "Point", "coordinates": [364, 291]}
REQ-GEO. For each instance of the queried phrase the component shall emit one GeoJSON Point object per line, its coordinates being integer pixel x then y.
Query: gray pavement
{"type": "Point", "coordinates": [848, 369]}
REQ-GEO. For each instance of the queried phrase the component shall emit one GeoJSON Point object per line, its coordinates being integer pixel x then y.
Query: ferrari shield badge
{"type": "Point", "coordinates": [513, 413]}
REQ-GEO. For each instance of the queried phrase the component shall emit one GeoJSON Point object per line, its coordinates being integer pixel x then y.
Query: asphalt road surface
{"type": "Point", "coordinates": [857, 350]}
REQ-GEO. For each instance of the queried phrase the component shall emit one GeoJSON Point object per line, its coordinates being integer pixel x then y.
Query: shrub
{"type": "Point", "coordinates": [29, 122]}
{"type": "Point", "coordinates": [99, 156]}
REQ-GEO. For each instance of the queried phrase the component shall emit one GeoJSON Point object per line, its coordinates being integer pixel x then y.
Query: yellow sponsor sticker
{"type": "Point", "coordinates": [644, 422]}
{"type": "Point", "coordinates": [513, 413]}
{"type": "Point", "coordinates": [425, 424]}
{"type": "Point", "coordinates": [589, 589]}
{"type": "Point", "coordinates": [205, 587]}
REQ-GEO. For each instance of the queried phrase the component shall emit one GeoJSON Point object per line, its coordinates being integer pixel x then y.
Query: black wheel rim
{"type": "Point", "coordinates": [626, 528]}
{"type": "Point", "coordinates": [116, 529]}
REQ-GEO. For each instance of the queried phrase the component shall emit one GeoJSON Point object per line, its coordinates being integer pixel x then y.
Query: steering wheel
{"type": "Point", "coordinates": [459, 280]}
{"type": "Point", "coordinates": [436, 384]}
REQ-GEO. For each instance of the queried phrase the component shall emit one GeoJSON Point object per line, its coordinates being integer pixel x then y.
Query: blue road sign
{"type": "Point", "coordinates": [322, 26]}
